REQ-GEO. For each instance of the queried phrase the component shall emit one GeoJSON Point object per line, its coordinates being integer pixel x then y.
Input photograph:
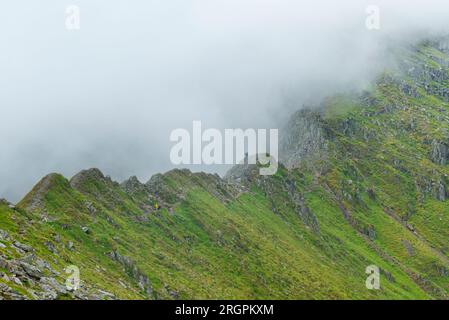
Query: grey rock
{"type": "Point", "coordinates": [409, 247]}
{"type": "Point", "coordinates": [41, 189]}
{"type": "Point", "coordinates": [51, 247]}
{"type": "Point", "coordinates": [370, 232]}
{"type": "Point", "coordinates": [307, 216]}
{"type": "Point", "coordinates": [86, 175]}
{"type": "Point", "coordinates": [4, 235]}
{"type": "Point", "coordinates": [439, 153]}
{"type": "Point", "coordinates": [85, 230]}
{"type": "Point", "coordinates": [31, 270]}
{"type": "Point", "coordinates": [131, 268]}
{"type": "Point", "coordinates": [17, 281]}
{"type": "Point", "coordinates": [133, 186]}
{"type": "Point", "coordinates": [304, 137]}
{"type": "Point", "coordinates": [91, 208]}
{"type": "Point", "coordinates": [53, 285]}
{"type": "Point", "coordinates": [441, 193]}
{"type": "Point", "coordinates": [5, 277]}
{"type": "Point", "coordinates": [30, 259]}
{"type": "Point", "coordinates": [57, 238]}
{"type": "Point", "coordinates": [23, 247]}
{"type": "Point", "coordinates": [105, 295]}
{"type": "Point", "coordinates": [8, 293]}
{"type": "Point", "coordinates": [4, 264]}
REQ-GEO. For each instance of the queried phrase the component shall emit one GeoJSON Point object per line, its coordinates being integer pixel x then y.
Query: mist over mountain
{"type": "Point", "coordinates": [94, 210]}
{"type": "Point", "coordinates": [109, 94]}
{"type": "Point", "coordinates": [361, 193]}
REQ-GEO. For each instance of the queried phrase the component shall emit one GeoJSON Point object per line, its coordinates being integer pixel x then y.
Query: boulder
{"type": "Point", "coordinates": [23, 247]}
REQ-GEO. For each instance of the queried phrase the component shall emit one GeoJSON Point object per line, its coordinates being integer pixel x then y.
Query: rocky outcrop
{"type": "Point", "coordinates": [436, 187]}
{"type": "Point", "coordinates": [425, 75]}
{"type": "Point", "coordinates": [84, 176]}
{"type": "Point", "coordinates": [169, 194]}
{"type": "Point", "coordinates": [160, 190]}
{"type": "Point", "coordinates": [5, 202]}
{"type": "Point", "coordinates": [133, 186]}
{"type": "Point", "coordinates": [134, 272]}
{"type": "Point", "coordinates": [35, 200]}
{"type": "Point", "coordinates": [302, 209]}
{"type": "Point", "coordinates": [4, 235]}
{"type": "Point", "coordinates": [25, 275]}
{"type": "Point", "coordinates": [439, 153]}
{"type": "Point", "coordinates": [94, 184]}
{"type": "Point", "coordinates": [242, 174]}
{"type": "Point", "coordinates": [302, 138]}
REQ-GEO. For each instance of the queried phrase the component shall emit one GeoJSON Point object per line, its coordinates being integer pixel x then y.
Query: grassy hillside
{"type": "Point", "coordinates": [366, 183]}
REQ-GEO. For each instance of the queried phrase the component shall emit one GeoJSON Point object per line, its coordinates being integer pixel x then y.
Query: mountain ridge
{"type": "Point", "coordinates": [363, 180]}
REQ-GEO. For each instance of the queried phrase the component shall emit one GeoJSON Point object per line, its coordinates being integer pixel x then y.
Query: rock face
{"type": "Point", "coordinates": [302, 138]}
{"type": "Point", "coordinates": [142, 280]}
{"type": "Point", "coordinates": [428, 76]}
{"type": "Point", "coordinates": [242, 174]}
{"type": "Point", "coordinates": [36, 199]}
{"type": "Point", "coordinates": [302, 209]}
{"type": "Point", "coordinates": [439, 153]}
{"type": "Point", "coordinates": [161, 192]}
{"type": "Point", "coordinates": [436, 187]}
{"type": "Point", "coordinates": [133, 186]}
{"type": "Point", "coordinates": [168, 195]}
{"type": "Point", "coordinates": [93, 174]}
{"type": "Point", "coordinates": [4, 235]}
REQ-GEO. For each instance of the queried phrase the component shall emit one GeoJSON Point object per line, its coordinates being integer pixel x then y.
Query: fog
{"type": "Point", "coordinates": [109, 94]}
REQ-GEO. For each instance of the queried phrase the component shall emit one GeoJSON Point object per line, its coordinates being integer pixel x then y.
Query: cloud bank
{"type": "Point", "coordinates": [108, 95]}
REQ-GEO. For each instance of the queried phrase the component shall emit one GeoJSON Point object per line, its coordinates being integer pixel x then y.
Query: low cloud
{"type": "Point", "coordinates": [109, 94]}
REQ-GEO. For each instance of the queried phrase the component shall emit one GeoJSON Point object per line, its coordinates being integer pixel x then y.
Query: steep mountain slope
{"type": "Point", "coordinates": [364, 181]}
